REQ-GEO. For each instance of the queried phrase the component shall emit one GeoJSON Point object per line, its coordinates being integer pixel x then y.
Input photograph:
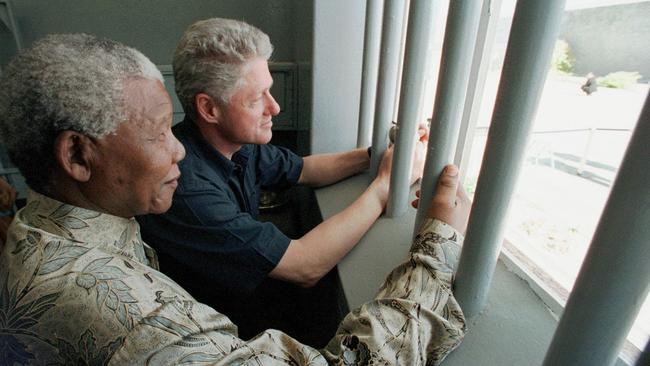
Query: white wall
{"type": "Point", "coordinates": [338, 54]}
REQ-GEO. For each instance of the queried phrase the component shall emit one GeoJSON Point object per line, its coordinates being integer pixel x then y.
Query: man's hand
{"type": "Point", "coordinates": [419, 155]}
{"type": "Point", "coordinates": [7, 196]}
{"type": "Point", "coordinates": [383, 174]}
{"type": "Point", "coordinates": [450, 203]}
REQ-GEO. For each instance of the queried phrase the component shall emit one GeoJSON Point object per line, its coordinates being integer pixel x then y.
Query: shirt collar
{"type": "Point", "coordinates": [84, 226]}
{"type": "Point", "coordinates": [202, 148]}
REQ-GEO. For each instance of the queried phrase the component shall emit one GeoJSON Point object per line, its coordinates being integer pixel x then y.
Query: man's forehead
{"type": "Point", "coordinates": [257, 73]}
{"type": "Point", "coordinates": [143, 94]}
{"type": "Point", "coordinates": [140, 86]}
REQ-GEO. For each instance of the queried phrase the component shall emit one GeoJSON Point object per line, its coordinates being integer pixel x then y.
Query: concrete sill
{"type": "Point", "coordinates": [516, 326]}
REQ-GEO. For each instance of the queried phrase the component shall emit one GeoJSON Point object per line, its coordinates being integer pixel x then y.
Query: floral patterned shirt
{"type": "Point", "coordinates": [80, 287]}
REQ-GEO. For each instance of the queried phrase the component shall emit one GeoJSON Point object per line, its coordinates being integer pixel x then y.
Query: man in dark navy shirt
{"type": "Point", "coordinates": [210, 241]}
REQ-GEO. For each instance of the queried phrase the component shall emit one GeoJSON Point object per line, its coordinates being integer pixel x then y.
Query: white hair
{"type": "Point", "coordinates": [210, 56]}
{"type": "Point", "coordinates": [64, 82]}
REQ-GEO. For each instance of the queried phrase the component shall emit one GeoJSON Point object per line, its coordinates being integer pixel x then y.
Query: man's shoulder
{"type": "Point", "coordinates": [269, 153]}
{"type": "Point", "coordinates": [84, 279]}
{"type": "Point", "coordinates": [200, 173]}
{"type": "Point", "coordinates": [197, 179]}
{"type": "Point", "coordinates": [72, 269]}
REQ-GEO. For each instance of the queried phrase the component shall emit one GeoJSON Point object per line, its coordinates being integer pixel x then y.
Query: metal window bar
{"type": "Point", "coordinates": [478, 75]}
{"type": "Point", "coordinates": [387, 83]}
{"type": "Point", "coordinates": [644, 359]}
{"type": "Point", "coordinates": [418, 43]}
{"type": "Point", "coordinates": [614, 279]}
{"type": "Point", "coordinates": [371, 46]}
{"type": "Point", "coordinates": [460, 36]}
{"type": "Point", "coordinates": [522, 79]}
{"type": "Point", "coordinates": [400, 67]}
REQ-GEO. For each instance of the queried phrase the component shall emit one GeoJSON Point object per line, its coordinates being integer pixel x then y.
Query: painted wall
{"type": "Point", "coordinates": [338, 54]}
{"type": "Point", "coordinates": [609, 39]}
{"type": "Point", "coordinates": [152, 26]}
{"type": "Point", "coordinates": [303, 20]}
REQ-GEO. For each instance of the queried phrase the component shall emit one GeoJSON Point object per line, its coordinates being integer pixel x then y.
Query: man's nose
{"type": "Point", "coordinates": [273, 107]}
{"type": "Point", "coordinates": [179, 150]}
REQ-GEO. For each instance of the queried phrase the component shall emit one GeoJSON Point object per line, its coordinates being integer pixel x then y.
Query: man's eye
{"type": "Point", "coordinates": [159, 137]}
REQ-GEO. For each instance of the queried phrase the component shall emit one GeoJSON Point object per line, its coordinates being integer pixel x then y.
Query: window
{"type": "Point", "coordinates": [589, 107]}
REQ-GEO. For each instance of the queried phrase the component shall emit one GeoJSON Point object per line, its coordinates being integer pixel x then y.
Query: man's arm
{"type": "Point", "coordinates": [415, 315]}
{"type": "Point", "coordinates": [309, 258]}
{"type": "Point", "coordinates": [414, 319]}
{"type": "Point", "coordinates": [323, 169]}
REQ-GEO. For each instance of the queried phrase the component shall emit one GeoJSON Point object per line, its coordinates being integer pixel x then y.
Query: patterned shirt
{"type": "Point", "coordinates": [80, 287]}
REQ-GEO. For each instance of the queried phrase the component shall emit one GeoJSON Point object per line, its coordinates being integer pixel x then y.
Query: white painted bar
{"type": "Point", "coordinates": [520, 89]}
{"type": "Point", "coordinates": [419, 40]}
{"type": "Point", "coordinates": [371, 47]}
{"type": "Point", "coordinates": [480, 65]}
{"type": "Point", "coordinates": [387, 83]}
{"type": "Point", "coordinates": [457, 50]}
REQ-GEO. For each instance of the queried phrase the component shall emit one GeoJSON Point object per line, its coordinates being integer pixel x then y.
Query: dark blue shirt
{"type": "Point", "coordinates": [210, 240]}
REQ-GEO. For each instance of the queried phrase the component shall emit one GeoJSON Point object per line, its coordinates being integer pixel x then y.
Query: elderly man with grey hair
{"type": "Point", "coordinates": [88, 123]}
{"type": "Point", "coordinates": [211, 239]}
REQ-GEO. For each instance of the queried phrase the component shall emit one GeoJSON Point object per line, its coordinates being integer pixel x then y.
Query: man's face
{"type": "Point", "coordinates": [247, 118]}
{"type": "Point", "coordinates": [136, 168]}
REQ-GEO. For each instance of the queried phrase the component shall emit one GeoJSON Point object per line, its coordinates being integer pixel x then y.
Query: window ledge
{"type": "Point", "coordinates": [515, 320]}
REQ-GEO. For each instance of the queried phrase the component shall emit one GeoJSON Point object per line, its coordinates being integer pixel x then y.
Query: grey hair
{"type": "Point", "coordinates": [210, 56]}
{"type": "Point", "coordinates": [64, 82]}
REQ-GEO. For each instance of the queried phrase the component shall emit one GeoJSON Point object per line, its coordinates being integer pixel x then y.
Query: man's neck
{"type": "Point", "coordinates": [223, 145]}
{"type": "Point", "coordinates": [64, 190]}
{"type": "Point", "coordinates": [84, 195]}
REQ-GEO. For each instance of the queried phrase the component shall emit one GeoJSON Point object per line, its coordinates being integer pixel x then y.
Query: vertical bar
{"type": "Point", "coordinates": [460, 36]}
{"type": "Point", "coordinates": [644, 359]}
{"type": "Point", "coordinates": [387, 84]}
{"type": "Point", "coordinates": [534, 30]}
{"type": "Point", "coordinates": [585, 153]}
{"type": "Point", "coordinates": [614, 279]}
{"type": "Point", "coordinates": [418, 42]}
{"type": "Point", "coordinates": [371, 46]}
{"type": "Point", "coordinates": [402, 48]}
{"type": "Point", "coordinates": [475, 91]}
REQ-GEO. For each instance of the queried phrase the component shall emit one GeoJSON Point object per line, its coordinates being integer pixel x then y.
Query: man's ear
{"type": "Point", "coordinates": [73, 152]}
{"type": "Point", "coordinates": [206, 108]}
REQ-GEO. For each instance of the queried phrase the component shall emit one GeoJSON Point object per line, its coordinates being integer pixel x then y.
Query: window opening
{"type": "Point", "coordinates": [582, 128]}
